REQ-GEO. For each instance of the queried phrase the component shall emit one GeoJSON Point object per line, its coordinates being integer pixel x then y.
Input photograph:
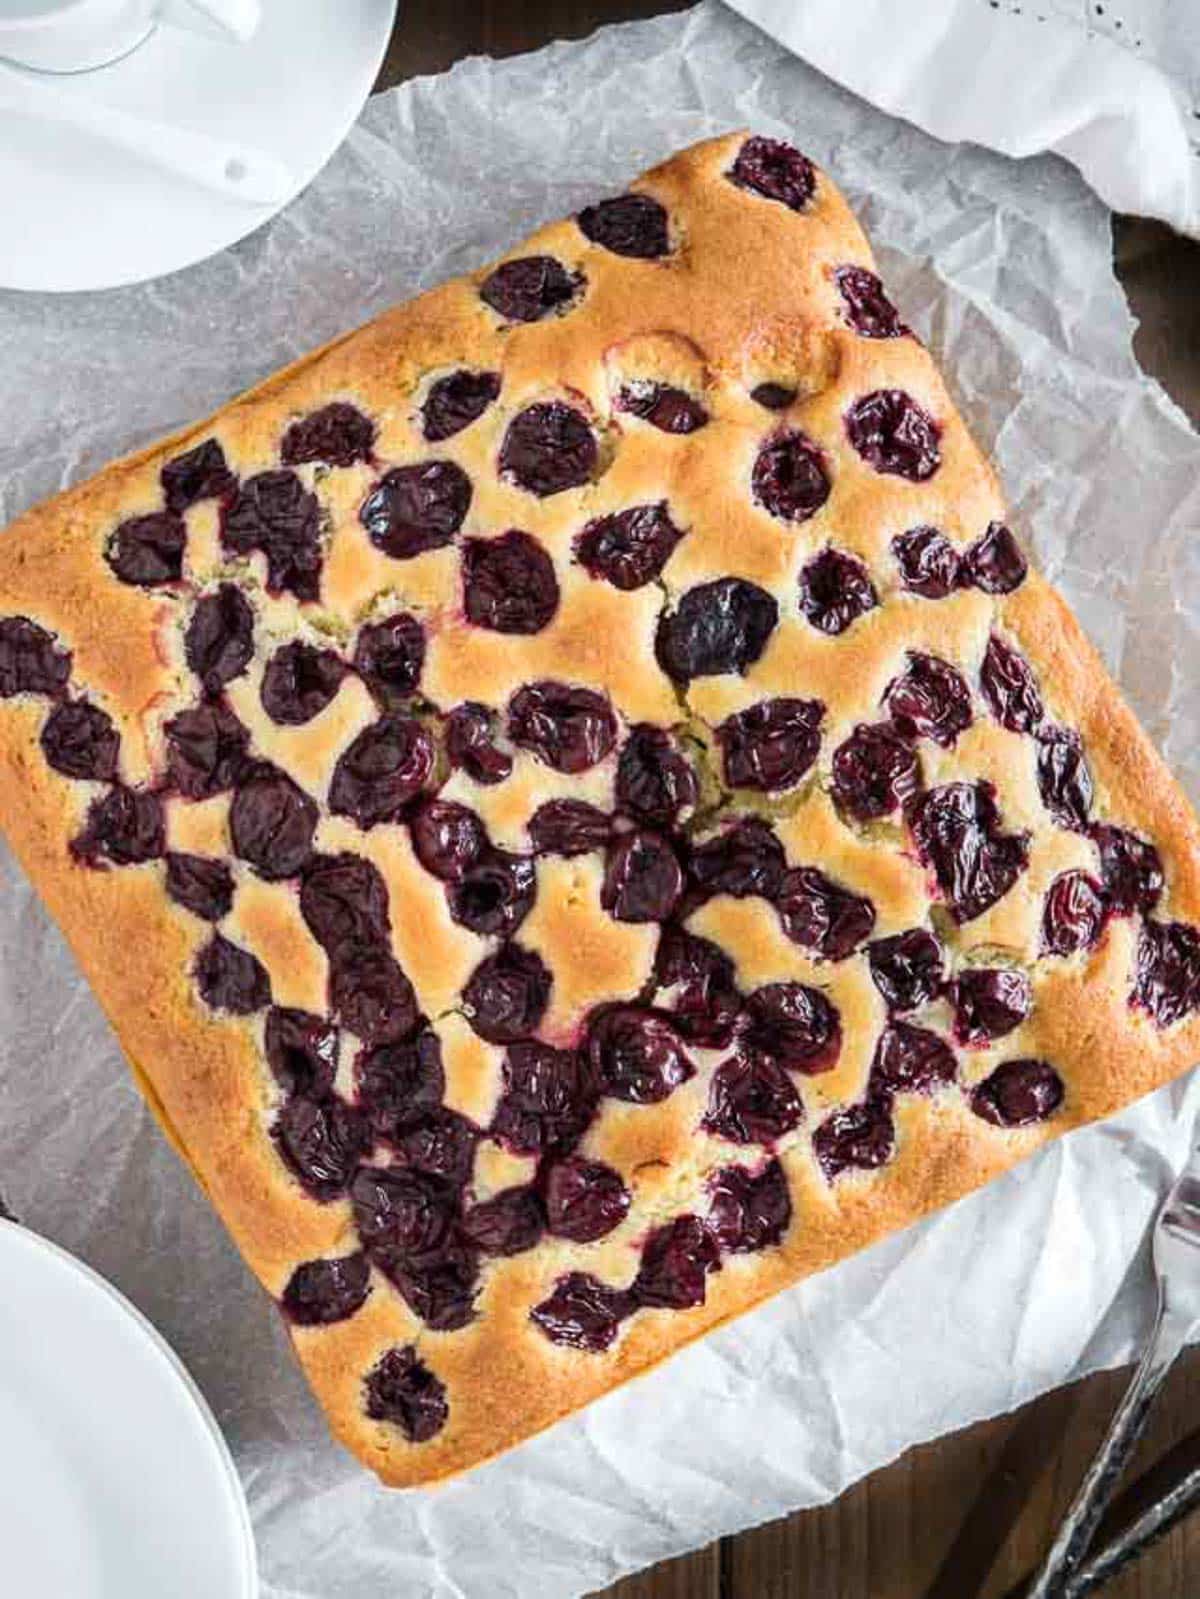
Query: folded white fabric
{"type": "Point", "coordinates": [1113, 86]}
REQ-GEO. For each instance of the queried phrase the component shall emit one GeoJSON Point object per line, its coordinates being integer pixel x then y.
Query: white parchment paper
{"type": "Point", "coordinates": [1005, 269]}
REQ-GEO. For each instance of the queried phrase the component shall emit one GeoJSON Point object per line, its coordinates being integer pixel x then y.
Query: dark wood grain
{"type": "Point", "coordinates": [966, 1517]}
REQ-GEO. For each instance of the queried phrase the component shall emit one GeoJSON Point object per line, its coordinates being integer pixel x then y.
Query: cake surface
{"type": "Point", "coordinates": [580, 811]}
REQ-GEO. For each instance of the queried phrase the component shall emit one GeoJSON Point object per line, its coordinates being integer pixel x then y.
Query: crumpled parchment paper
{"type": "Point", "coordinates": [1005, 269]}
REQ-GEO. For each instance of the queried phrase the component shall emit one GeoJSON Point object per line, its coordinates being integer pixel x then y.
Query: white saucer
{"type": "Point", "coordinates": [79, 215]}
{"type": "Point", "coordinates": [114, 1478]}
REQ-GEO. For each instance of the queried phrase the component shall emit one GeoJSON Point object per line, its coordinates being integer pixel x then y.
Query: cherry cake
{"type": "Point", "coordinates": [580, 811]}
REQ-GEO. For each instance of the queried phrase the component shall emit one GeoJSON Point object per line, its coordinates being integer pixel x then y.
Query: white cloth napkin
{"type": "Point", "coordinates": [1113, 86]}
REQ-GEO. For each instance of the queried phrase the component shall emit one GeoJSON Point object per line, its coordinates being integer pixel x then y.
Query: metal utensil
{"type": "Point", "coordinates": [1177, 1266]}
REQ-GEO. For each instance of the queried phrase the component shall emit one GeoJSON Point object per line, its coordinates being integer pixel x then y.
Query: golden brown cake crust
{"type": "Point", "coordinates": [747, 294]}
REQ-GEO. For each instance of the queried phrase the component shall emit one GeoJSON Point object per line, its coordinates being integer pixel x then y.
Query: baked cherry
{"type": "Point", "coordinates": [302, 1051]}
{"type": "Point", "coordinates": [146, 551]}
{"type": "Point", "coordinates": [774, 170]}
{"type": "Point", "coordinates": [529, 288]}
{"type": "Point", "coordinates": [299, 682]}
{"type": "Point", "coordinates": [1010, 688]}
{"type": "Point", "coordinates": [789, 478]}
{"type": "Point", "coordinates": [403, 1213]}
{"type": "Point", "coordinates": [1018, 1093]}
{"type": "Point", "coordinates": [911, 1060]}
{"type": "Point", "coordinates": [201, 885]}
{"type": "Point", "coordinates": [548, 1099]}
{"type": "Point", "coordinates": [929, 564]}
{"type": "Point", "coordinates": [770, 745]}
{"type": "Point", "coordinates": [125, 826]}
{"type": "Point", "coordinates": [438, 1141]}
{"type": "Point", "coordinates": [629, 224]}
{"type": "Point", "coordinates": [568, 728]}
{"type": "Point", "coordinates": [796, 1025]}
{"type": "Point", "coordinates": [642, 878]}
{"type": "Point", "coordinates": [370, 995]}
{"type": "Point", "coordinates": [220, 637]}
{"type": "Point", "coordinates": [745, 858]}
{"type": "Point", "coordinates": [416, 508]}
{"type": "Point", "coordinates": [231, 979]}
{"type": "Point", "coordinates": [321, 1292]}
{"type": "Point", "coordinates": [381, 770]}
{"type": "Point", "coordinates": [656, 784]}
{"type": "Point", "coordinates": [201, 473]}
{"type": "Point", "coordinates": [994, 562]}
{"type": "Point", "coordinates": [494, 896]}
{"type": "Point", "coordinates": [470, 744]}
{"type": "Point", "coordinates": [322, 1141]}
{"type": "Point", "coordinates": [344, 902]}
{"type": "Point", "coordinates": [30, 661]}
{"type": "Point", "coordinates": [676, 1259]}
{"type": "Point", "coordinates": [906, 968]}
{"type": "Point", "coordinates": [957, 833]}
{"type": "Point", "coordinates": [275, 514]}
{"type": "Point", "coordinates": [773, 396]}
{"type": "Point", "coordinates": [895, 435]}
{"type": "Point", "coordinates": [752, 1100]}
{"type": "Point", "coordinates": [448, 838]}
{"type": "Point", "coordinates": [509, 584]}
{"type": "Point", "coordinates": [1064, 778]}
{"type": "Point", "coordinates": [749, 1211]}
{"type": "Point", "coordinates": [272, 822]}
{"type": "Point", "coordinates": [207, 750]}
{"type": "Point", "coordinates": [1130, 869]}
{"type": "Point", "coordinates": [875, 771]}
{"type": "Point", "coordinates": [509, 1223]}
{"type": "Point", "coordinates": [636, 1054]}
{"type": "Point", "coordinates": [989, 1002]}
{"type": "Point", "coordinates": [835, 590]}
{"type": "Point", "coordinates": [701, 987]}
{"type": "Point", "coordinates": [1073, 915]}
{"type": "Point", "coordinates": [79, 740]}
{"type": "Point", "coordinates": [1167, 971]}
{"type": "Point", "coordinates": [457, 400]}
{"type": "Point", "coordinates": [506, 995]}
{"type": "Point", "coordinates": [584, 1199]}
{"type": "Point", "coordinates": [582, 1312]}
{"type": "Point", "coordinates": [402, 1389]}
{"type": "Point", "coordinates": [398, 1081]}
{"type": "Point", "coordinates": [547, 448]}
{"type": "Point", "coordinates": [665, 407]}
{"type": "Point", "coordinates": [336, 435]}
{"type": "Point", "coordinates": [820, 915]}
{"type": "Point", "coordinates": [568, 827]}
{"type": "Point", "coordinates": [868, 309]}
{"type": "Point", "coordinates": [930, 699]}
{"type": "Point", "coordinates": [442, 1293]}
{"type": "Point", "coordinates": [860, 1137]}
{"type": "Point", "coordinates": [629, 548]}
{"type": "Point", "coordinates": [722, 626]}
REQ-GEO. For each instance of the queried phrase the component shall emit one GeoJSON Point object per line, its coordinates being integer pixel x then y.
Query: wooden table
{"type": "Point", "coordinates": [968, 1515]}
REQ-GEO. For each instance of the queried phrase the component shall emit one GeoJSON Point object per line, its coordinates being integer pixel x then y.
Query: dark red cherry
{"type": "Point", "coordinates": [207, 750]}
{"type": "Point", "coordinates": [820, 915]}
{"type": "Point", "coordinates": [790, 479]}
{"type": "Point", "coordinates": [911, 1060]}
{"type": "Point", "coordinates": [30, 661]}
{"type": "Point", "coordinates": [745, 858]}
{"type": "Point", "coordinates": [860, 1137]}
{"type": "Point", "coordinates": [1074, 914]}
{"type": "Point", "coordinates": [770, 746]}
{"type": "Point", "coordinates": [529, 288]}
{"type": "Point", "coordinates": [568, 728]}
{"type": "Point", "coordinates": [276, 514]}
{"type": "Point", "coordinates": [930, 699]}
{"type": "Point", "coordinates": [471, 747]}
{"type": "Point", "coordinates": [440, 1142]}
{"type": "Point", "coordinates": [868, 309]}
{"type": "Point", "coordinates": [795, 1025]}
{"type": "Point", "coordinates": [416, 508]}
{"type": "Point", "coordinates": [495, 895]}
{"type": "Point", "coordinates": [381, 771]}
{"type": "Point", "coordinates": [457, 400]}
{"type": "Point", "coordinates": [655, 781]}
{"type": "Point", "coordinates": [200, 473]}
{"type": "Point", "coordinates": [895, 435]}
{"type": "Point", "coordinates": [907, 968]}
{"type": "Point", "coordinates": [676, 1259]}
{"type": "Point", "coordinates": [929, 564]}
{"type": "Point", "coordinates": [582, 1312]}
{"type": "Point", "coordinates": [994, 562]}
{"type": "Point", "coordinates": [509, 584]}
{"type": "Point", "coordinates": [79, 740]}
{"type": "Point", "coordinates": [231, 979]}
{"type": "Point", "coordinates": [703, 998]}
{"type": "Point", "coordinates": [321, 1292]}
{"type": "Point", "coordinates": [722, 626]}
{"type": "Point", "coordinates": [370, 995]}
{"type": "Point", "coordinates": [148, 550]}
{"type": "Point", "coordinates": [344, 902]}
{"type": "Point", "coordinates": [272, 822]}
{"type": "Point", "coordinates": [1167, 972]}
{"type": "Point", "coordinates": [1018, 1093]}
{"type": "Point", "coordinates": [1010, 688]}
{"type": "Point", "coordinates": [548, 1100]}
{"type": "Point", "coordinates": [584, 1199]}
{"type": "Point", "coordinates": [402, 1389]}
{"type": "Point", "coordinates": [874, 772]}
{"type": "Point", "coordinates": [752, 1100]}
{"type": "Point", "coordinates": [568, 827]}
{"type": "Point", "coordinates": [403, 1213]}
{"type": "Point", "coordinates": [220, 637]}
{"type": "Point", "coordinates": [322, 1141]}
{"type": "Point", "coordinates": [835, 590]}
{"type": "Point", "coordinates": [665, 407]}
{"type": "Point", "coordinates": [547, 448]}
{"type": "Point", "coordinates": [628, 224]}
{"type": "Point", "coordinates": [989, 1001]}
{"type": "Point", "coordinates": [441, 1294]}
{"type": "Point", "coordinates": [302, 1052]}
{"type": "Point", "coordinates": [629, 548]}
{"type": "Point", "coordinates": [506, 995]}
{"type": "Point", "coordinates": [336, 435]}
{"type": "Point", "coordinates": [396, 1082]}
{"type": "Point", "coordinates": [1130, 869]}
{"type": "Point", "coordinates": [201, 885]}
{"type": "Point", "coordinates": [299, 682]}
{"type": "Point", "coordinates": [636, 1054]}
{"type": "Point", "coordinates": [748, 1212]}
{"type": "Point", "coordinates": [642, 878]}
{"type": "Point", "coordinates": [1064, 778]}
{"type": "Point", "coordinates": [773, 396]}
{"type": "Point", "coordinates": [124, 826]}
{"type": "Point", "coordinates": [957, 833]}
{"type": "Point", "coordinates": [509, 1223]}
{"type": "Point", "coordinates": [774, 170]}
{"type": "Point", "coordinates": [448, 838]}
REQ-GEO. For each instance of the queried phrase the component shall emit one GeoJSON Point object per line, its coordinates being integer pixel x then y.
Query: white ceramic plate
{"type": "Point", "coordinates": [114, 1479]}
{"type": "Point", "coordinates": [79, 215]}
